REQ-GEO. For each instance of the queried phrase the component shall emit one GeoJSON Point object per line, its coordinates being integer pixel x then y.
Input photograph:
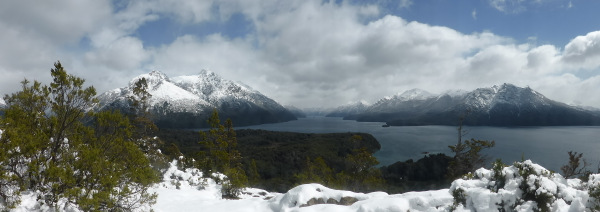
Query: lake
{"type": "Point", "coordinates": [547, 146]}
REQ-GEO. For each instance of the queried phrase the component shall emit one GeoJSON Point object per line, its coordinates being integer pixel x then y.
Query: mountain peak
{"type": "Point", "coordinates": [487, 98]}
{"type": "Point", "coordinates": [205, 72]}
{"type": "Point", "coordinates": [351, 108]}
{"type": "Point", "coordinates": [415, 94]}
{"type": "Point", "coordinates": [153, 78]}
{"type": "Point", "coordinates": [506, 87]}
{"type": "Point", "coordinates": [513, 89]}
{"type": "Point", "coordinates": [455, 92]}
{"type": "Point", "coordinates": [157, 75]}
{"type": "Point", "coordinates": [360, 102]}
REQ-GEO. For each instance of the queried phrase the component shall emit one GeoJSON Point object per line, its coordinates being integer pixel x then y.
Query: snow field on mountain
{"type": "Point", "coordinates": [194, 93]}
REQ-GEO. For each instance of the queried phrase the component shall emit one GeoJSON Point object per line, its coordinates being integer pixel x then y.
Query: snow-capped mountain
{"type": "Point", "coordinates": [506, 94]}
{"type": "Point", "coordinates": [186, 101]}
{"type": "Point", "coordinates": [406, 101]}
{"type": "Point", "coordinates": [500, 105]}
{"type": "Point", "coordinates": [414, 94]}
{"type": "Point", "coordinates": [349, 109]}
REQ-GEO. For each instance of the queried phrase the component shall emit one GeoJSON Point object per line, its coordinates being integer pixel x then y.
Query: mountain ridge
{"type": "Point", "coordinates": [498, 105]}
{"type": "Point", "coordinates": [187, 101]}
{"type": "Point", "coordinates": [349, 109]}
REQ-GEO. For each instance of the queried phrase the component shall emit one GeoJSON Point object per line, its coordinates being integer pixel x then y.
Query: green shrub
{"type": "Point", "coordinates": [62, 151]}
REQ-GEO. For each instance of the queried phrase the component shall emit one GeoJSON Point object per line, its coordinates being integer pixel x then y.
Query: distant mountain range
{"type": "Point", "coordinates": [349, 109]}
{"type": "Point", "coordinates": [187, 101]}
{"type": "Point", "coordinates": [500, 105]}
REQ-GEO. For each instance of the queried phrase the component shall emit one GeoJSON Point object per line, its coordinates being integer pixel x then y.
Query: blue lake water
{"type": "Point", "coordinates": [547, 146]}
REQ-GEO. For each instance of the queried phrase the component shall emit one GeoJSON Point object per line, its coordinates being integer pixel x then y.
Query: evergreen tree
{"type": "Point", "coordinates": [360, 173]}
{"type": "Point", "coordinates": [467, 155]}
{"type": "Point", "coordinates": [144, 128]}
{"type": "Point", "coordinates": [221, 155]}
{"type": "Point", "coordinates": [363, 176]}
{"type": "Point", "coordinates": [52, 152]}
{"type": "Point", "coordinates": [253, 175]}
{"type": "Point", "coordinates": [139, 110]}
{"type": "Point", "coordinates": [316, 171]}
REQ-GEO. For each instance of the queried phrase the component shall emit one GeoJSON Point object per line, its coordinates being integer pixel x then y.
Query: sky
{"type": "Point", "coordinates": [312, 53]}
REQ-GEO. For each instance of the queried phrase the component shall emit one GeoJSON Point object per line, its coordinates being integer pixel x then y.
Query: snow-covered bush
{"type": "Point", "coordinates": [594, 192]}
{"type": "Point", "coordinates": [524, 186]}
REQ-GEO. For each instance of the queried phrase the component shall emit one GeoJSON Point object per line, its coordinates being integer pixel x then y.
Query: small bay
{"type": "Point", "coordinates": [547, 146]}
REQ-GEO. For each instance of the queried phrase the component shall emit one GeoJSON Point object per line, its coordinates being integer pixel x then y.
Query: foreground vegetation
{"type": "Point", "coordinates": [53, 145]}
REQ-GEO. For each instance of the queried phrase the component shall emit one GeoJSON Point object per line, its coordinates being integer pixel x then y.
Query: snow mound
{"type": "Point", "coordinates": [315, 197]}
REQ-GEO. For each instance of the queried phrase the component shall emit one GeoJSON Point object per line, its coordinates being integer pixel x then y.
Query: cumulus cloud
{"type": "Point", "coordinates": [189, 55]}
{"type": "Point", "coordinates": [584, 51]}
{"type": "Point", "coordinates": [187, 12]}
{"type": "Point", "coordinates": [126, 53]}
{"type": "Point", "coordinates": [36, 34]}
{"type": "Point", "coordinates": [58, 21]}
{"type": "Point", "coordinates": [306, 53]}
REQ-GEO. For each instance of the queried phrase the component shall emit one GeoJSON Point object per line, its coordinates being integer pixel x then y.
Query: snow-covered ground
{"type": "Point", "coordinates": [520, 187]}
{"type": "Point", "coordinates": [198, 194]}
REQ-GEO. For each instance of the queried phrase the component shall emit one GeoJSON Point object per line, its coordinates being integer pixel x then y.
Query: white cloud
{"type": "Point", "coordinates": [405, 3]}
{"type": "Point", "coordinates": [187, 12]}
{"type": "Point", "coordinates": [305, 52]}
{"type": "Point", "coordinates": [189, 55]}
{"type": "Point", "coordinates": [474, 14]}
{"type": "Point", "coordinates": [583, 51]}
{"type": "Point", "coordinates": [35, 34]}
{"type": "Point", "coordinates": [126, 53]}
{"type": "Point", "coordinates": [519, 6]}
{"type": "Point", "coordinates": [60, 21]}
{"type": "Point", "coordinates": [513, 6]}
